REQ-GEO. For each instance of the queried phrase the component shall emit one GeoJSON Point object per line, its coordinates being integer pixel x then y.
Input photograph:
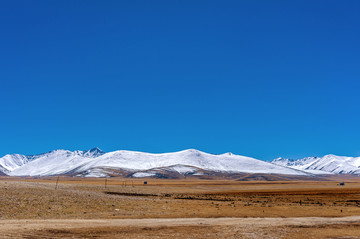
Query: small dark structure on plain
{"type": "Point", "coordinates": [145, 182]}
{"type": "Point", "coordinates": [342, 184]}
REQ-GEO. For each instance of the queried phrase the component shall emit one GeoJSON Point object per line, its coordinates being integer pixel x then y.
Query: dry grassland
{"type": "Point", "coordinates": [85, 199]}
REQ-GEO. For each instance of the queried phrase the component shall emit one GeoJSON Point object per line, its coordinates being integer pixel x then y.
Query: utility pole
{"type": "Point", "coordinates": [57, 181]}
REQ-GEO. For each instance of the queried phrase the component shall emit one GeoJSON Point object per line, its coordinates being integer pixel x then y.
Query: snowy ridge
{"type": "Point", "coordinates": [328, 164]}
{"type": "Point", "coordinates": [96, 163]}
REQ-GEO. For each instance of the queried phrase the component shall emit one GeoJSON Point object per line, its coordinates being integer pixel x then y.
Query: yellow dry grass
{"type": "Point", "coordinates": [78, 198]}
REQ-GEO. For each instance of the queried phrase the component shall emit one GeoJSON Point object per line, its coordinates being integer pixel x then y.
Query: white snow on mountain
{"type": "Point", "coordinates": [323, 165]}
{"type": "Point", "coordinates": [143, 174]}
{"type": "Point", "coordinates": [52, 163]}
{"type": "Point", "coordinates": [13, 161]}
{"type": "Point", "coordinates": [94, 161]}
{"type": "Point", "coordinates": [225, 162]}
{"type": "Point", "coordinates": [3, 171]}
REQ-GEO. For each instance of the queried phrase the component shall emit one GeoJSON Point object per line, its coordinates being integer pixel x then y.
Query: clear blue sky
{"type": "Point", "coordinates": [257, 78]}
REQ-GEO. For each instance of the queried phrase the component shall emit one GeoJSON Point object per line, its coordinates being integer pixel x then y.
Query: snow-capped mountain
{"type": "Point", "coordinates": [323, 165]}
{"type": "Point", "coordinates": [11, 162]}
{"type": "Point", "coordinates": [96, 163]}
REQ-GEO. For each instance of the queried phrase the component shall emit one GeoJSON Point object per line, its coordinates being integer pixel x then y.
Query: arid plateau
{"type": "Point", "coordinates": [68, 207]}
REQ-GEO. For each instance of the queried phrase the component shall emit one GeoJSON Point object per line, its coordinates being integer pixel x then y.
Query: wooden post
{"type": "Point", "coordinates": [105, 182]}
{"type": "Point", "coordinates": [57, 181]}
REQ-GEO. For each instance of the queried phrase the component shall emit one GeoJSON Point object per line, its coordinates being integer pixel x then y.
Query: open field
{"type": "Point", "coordinates": [254, 209]}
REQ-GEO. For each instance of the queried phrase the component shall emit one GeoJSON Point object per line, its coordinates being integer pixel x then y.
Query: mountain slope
{"type": "Point", "coordinates": [11, 162]}
{"type": "Point", "coordinates": [96, 163]}
{"type": "Point", "coordinates": [3, 171]}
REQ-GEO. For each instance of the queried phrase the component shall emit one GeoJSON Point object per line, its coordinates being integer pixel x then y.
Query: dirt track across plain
{"type": "Point", "coordinates": [183, 228]}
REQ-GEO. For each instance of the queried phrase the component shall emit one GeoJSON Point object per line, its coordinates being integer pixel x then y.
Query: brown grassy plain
{"type": "Point", "coordinates": [79, 201]}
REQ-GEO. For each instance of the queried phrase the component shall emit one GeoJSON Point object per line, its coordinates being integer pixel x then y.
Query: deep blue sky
{"type": "Point", "coordinates": [257, 78]}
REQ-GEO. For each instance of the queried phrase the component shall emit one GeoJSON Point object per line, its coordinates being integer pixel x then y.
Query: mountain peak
{"type": "Point", "coordinates": [227, 154]}
{"type": "Point", "coordinates": [96, 149]}
{"type": "Point", "coordinates": [280, 159]}
{"type": "Point", "coordinates": [330, 156]}
{"type": "Point", "coordinates": [93, 153]}
{"type": "Point", "coordinates": [190, 151]}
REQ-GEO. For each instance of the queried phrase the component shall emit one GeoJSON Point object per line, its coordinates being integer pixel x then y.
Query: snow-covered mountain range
{"type": "Point", "coordinates": [328, 164]}
{"type": "Point", "coordinates": [96, 163]}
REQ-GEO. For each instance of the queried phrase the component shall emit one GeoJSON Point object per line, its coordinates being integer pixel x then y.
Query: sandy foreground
{"type": "Point", "coordinates": [304, 227]}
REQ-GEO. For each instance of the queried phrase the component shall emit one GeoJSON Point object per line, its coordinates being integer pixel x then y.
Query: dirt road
{"type": "Point", "coordinates": [314, 227]}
